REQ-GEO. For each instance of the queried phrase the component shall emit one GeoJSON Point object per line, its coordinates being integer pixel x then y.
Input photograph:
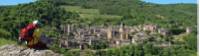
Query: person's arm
{"type": "Point", "coordinates": [22, 33]}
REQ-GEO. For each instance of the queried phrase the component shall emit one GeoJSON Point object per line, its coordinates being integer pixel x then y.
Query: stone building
{"type": "Point", "coordinates": [163, 32]}
{"type": "Point", "coordinates": [150, 27]}
{"type": "Point", "coordinates": [188, 30]}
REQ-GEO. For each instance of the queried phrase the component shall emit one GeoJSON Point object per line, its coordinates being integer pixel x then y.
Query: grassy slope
{"type": "Point", "coordinates": [4, 41]}
{"type": "Point", "coordinates": [87, 12]}
{"type": "Point", "coordinates": [92, 16]}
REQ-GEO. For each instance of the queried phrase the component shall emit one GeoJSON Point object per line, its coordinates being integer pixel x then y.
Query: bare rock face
{"type": "Point", "coordinates": [14, 50]}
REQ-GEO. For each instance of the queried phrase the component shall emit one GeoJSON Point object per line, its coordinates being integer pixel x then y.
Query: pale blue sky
{"type": "Point", "coordinates": [15, 2]}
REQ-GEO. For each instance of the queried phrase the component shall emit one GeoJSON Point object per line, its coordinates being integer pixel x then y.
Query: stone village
{"type": "Point", "coordinates": [79, 37]}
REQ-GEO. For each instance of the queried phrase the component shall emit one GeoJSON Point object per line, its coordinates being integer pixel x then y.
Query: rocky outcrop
{"type": "Point", "coordinates": [14, 50]}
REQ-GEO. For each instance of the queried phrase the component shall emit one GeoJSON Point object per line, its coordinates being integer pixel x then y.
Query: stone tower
{"type": "Point", "coordinates": [121, 31]}
{"type": "Point", "coordinates": [109, 33]}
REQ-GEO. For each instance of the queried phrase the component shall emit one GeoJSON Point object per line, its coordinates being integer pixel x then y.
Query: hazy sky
{"type": "Point", "coordinates": [15, 2]}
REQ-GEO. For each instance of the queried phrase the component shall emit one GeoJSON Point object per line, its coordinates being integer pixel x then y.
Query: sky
{"type": "Point", "coordinates": [15, 2]}
{"type": "Point", "coordinates": [171, 1]}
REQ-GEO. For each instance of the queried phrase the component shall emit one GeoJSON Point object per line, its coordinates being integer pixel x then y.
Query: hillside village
{"type": "Point", "coordinates": [116, 36]}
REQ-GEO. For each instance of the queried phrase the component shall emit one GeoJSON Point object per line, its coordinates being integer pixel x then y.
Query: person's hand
{"type": "Point", "coordinates": [21, 41]}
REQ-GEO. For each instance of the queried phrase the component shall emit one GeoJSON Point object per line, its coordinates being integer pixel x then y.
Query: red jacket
{"type": "Point", "coordinates": [27, 32]}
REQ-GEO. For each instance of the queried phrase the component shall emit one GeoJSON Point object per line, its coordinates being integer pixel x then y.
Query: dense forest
{"type": "Point", "coordinates": [104, 12]}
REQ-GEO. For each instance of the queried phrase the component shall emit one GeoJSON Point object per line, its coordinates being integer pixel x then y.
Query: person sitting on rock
{"type": "Point", "coordinates": [31, 34]}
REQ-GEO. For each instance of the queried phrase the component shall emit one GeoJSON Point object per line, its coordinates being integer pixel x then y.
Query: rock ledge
{"type": "Point", "coordinates": [14, 50]}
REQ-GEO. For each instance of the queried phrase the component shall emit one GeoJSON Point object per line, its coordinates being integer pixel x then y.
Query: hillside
{"type": "Point", "coordinates": [86, 15]}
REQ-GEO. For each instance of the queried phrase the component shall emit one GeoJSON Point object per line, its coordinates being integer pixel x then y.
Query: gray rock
{"type": "Point", "coordinates": [14, 50]}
